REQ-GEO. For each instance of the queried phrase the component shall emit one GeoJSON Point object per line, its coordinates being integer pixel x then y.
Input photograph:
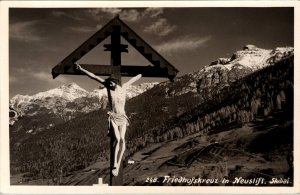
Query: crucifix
{"type": "Point", "coordinates": [116, 29]}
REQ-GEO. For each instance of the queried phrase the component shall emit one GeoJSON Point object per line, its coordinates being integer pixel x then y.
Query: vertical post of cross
{"type": "Point", "coordinates": [115, 49]}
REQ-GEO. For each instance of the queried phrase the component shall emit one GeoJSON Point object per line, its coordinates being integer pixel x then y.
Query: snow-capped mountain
{"type": "Point", "coordinates": [67, 92]}
{"type": "Point", "coordinates": [223, 71]}
{"type": "Point", "coordinates": [70, 96]}
{"type": "Point", "coordinates": [48, 99]}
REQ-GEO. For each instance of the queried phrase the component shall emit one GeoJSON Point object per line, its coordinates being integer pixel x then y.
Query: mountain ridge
{"type": "Point", "coordinates": [69, 101]}
{"type": "Point", "coordinates": [70, 93]}
{"type": "Point", "coordinates": [221, 71]}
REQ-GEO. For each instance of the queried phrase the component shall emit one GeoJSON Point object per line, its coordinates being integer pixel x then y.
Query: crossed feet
{"type": "Point", "coordinates": [115, 171]}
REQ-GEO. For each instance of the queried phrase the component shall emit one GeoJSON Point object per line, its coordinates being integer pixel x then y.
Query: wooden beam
{"type": "Point", "coordinates": [85, 47]}
{"type": "Point", "coordinates": [107, 70]}
{"type": "Point", "coordinates": [115, 62]}
{"type": "Point", "coordinates": [145, 49]}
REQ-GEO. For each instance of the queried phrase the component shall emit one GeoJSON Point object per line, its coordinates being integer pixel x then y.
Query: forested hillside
{"type": "Point", "coordinates": [260, 93]}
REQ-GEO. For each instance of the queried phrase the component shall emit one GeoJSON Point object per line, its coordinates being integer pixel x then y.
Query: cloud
{"type": "Point", "coordinates": [83, 29]}
{"type": "Point", "coordinates": [97, 13]}
{"type": "Point", "coordinates": [59, 13]}
{"type": "Point", "coordinates": [151, 17]}
{"type": "Point", "coordinates": [131, 15]}
{"type": "Point", "coordinates": [24, 31]}
{"type": "Point", "coordinates": [42, 75]}
{"type": "Point", "coordinates": [160, 27]}
{"type": "Point", "coordinates": [153, 12]}
{"type": "Point", "coordinates": [98, 26]}
{"type": "Point", "coordinates": [76, 16]}
{"type": "Point", "coordinates": [81, 16]}
{"type": "Point", "coordinates": [110, 11]}
{"type": "Point", "coordinates": [13, 79]}
{"type": "Point", "coordinates": [182, 44]}
{"type": "Point", "coordinates": [46, 78]}
{"type": "Point", "coordinates": [23, 70]}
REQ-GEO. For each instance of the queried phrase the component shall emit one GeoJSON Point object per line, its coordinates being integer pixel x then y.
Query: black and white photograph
{"type": "Point", "coordinates": [151, 96]}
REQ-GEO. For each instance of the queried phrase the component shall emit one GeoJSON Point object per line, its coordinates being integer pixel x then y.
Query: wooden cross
{"type": "Point", "coordinates": [116, 28]}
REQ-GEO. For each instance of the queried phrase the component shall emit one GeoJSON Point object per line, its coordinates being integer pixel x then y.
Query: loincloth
{"type": "Point", "coordinates": [118, 119]}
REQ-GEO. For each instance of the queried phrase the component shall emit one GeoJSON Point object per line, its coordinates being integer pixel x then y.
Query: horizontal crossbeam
{"type": "Point", "coordinates": [126, 70]}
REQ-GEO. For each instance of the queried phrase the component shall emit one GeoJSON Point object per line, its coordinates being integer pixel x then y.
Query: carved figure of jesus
{"type": "Point", "coordinates": [117, 119]}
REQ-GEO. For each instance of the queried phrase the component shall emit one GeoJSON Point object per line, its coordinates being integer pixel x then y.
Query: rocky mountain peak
{"type": "Point", "coordinates": [223, 71]}
{"type": "Point", "coordinates": [70, 95]}
{"type": "Point", "coordinates": [70, 86]}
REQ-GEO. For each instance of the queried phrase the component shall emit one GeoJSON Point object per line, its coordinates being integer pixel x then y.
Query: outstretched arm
{"type": "Point", "coordinates": [89, 74]}
{"type": "Point", "coordinates": [133, 79]}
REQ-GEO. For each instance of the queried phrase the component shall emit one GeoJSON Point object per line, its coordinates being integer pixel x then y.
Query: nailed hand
{"type": "Point", "coordinates": [77, 66]}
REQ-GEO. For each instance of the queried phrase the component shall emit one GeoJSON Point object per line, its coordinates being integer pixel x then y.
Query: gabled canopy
{"type": "Point", "coordinates": [161, 67]}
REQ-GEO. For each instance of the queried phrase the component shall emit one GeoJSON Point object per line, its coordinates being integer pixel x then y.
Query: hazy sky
{"type": "Point", "coordinates": [189, 38]}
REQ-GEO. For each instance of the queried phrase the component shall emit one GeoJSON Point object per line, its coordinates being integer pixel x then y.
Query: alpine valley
{"type": "Point", "coordinates": [232, 118]}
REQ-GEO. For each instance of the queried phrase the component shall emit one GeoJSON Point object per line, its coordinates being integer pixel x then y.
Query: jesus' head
{"type": "Point", "coordinates": [112, 82]}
